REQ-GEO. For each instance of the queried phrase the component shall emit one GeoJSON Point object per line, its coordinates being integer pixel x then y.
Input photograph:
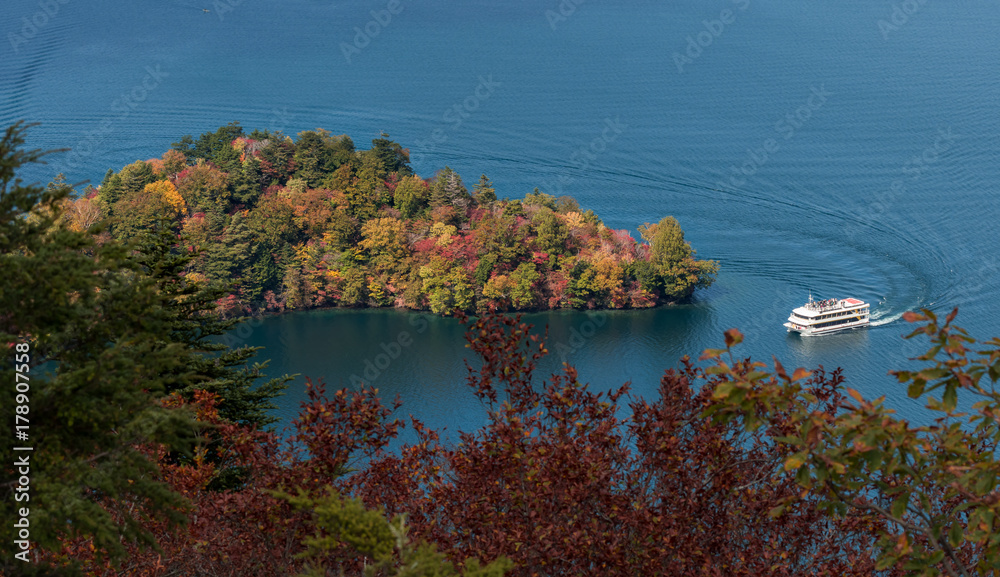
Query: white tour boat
{"type": "Point", "coordinates": [831, 315]}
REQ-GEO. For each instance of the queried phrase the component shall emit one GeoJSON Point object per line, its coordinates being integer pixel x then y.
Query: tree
{"type": "Point", "coordinates": [210, 144]}
{"type": "Point", "coordinates": [673, 260]}
{"type": "Point", "coordinates": [561, 484]}
{"type": "Point", "coordinates": [93, 375]}
{"type": "Point", "coordinates": [245, 394]}
{"type": "Point", "coordinates": [225, 259]}
{"type": "Point", "coordinates": [383, 242]}
{"type": "Point", "coordinates": [277, 159]}
{"type": "Point", "coordinates": [668, 247]}
{"type": "Point", "coordinates": [448, 190]}
{"type": "Point", "coordinates": [203, 187]}
{"type": "Point", "coordinates": [247, 182]}
{"type": "Point", "coordinates": [551, 232]}
{"type": "Point", "coordinates": [523, 292]}
{"type": "Point", "coordinates": [934, 486]}
{"type": "Point", "coordinates": [136, 212]}
{"type": "Point", "coordinates": [392, 156]}
{"type": "Point", "coordinates": [411, 196]}
{"type": "Point", "coordinates": [484, 193]}
{"type": "Point", "coordinates": [540, 199]}
{"type": "Point", "coordinates": [129, 181]}
{"type": "Point", "coordinates": [386, 542]}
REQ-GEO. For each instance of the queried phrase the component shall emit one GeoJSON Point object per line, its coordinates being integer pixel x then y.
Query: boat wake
{"type": "Point", "coordinates": [879, 318]}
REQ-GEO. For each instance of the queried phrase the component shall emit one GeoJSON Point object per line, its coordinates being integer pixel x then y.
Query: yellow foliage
{"type": "Point", "coordinates": [196, 278]}
{"type": "Point", "coordinates": [168, 192]}
{"type": "Point", "coordinates": [609, 275]}
{"type": "Point", "coordinates": [574, 219]}
{"type": "Point", "coordinates": [497, 287]}
{"type": "Point", "coordinates": [443, 232]}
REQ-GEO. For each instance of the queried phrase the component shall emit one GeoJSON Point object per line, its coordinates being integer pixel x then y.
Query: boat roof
{"type": "Point", "coordinates": [814, 309]}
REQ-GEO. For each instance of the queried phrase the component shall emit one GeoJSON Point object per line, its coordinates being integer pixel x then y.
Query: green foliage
{"type": "Point", "coordinates": [318, 154]}
{"type": "Point", "coordinates": [345, 521]}
{"type": "Point", "coordinates": [673, 259]}
{"type": "Point", "coordinates": [204, 187]}
{"type": "Point", "coordinates": [128, 182]}
{"type": "Point", "coordinates": [363, 218]}
{"type": "Point", "coordinates": [935, 485]}
{"type": "Point", "coordinates": [100, 357]}
{"type": "Point", "coordinates": [411, 196]}
{"type": "Point", "coordinates": [354, 290]}
{"type": "Point", "coordinates": [448, 190]}
{"type": "Point", "coordinates": [567, 204]}
{"type": "Point", "coordinates": [447, 286]}
{"type": "Point", "coordinates": [211, 144]}
{"type": "Point", "coordinates": [582, 287]}
{"type": "Point", "coordinates": [667, 245]}
{"type": "Point", "coordinates": [523, 292]}
{"type": "Point", "coordinates": [226, 259]}
{"type": "Point", "coordinates": [551, 232]}
{"type": "Point", "coordinates": [391, 156]}
{"type": "Point", "coordinates": [540, 199]}
{"type": "Point", "coordinates": [484, 193]}
{"type": "Point", "coordinates": [273, 223]}
{"type": "Point", "coordinates": [206, 338]}
{"type": "Point", "coordinates": [247, 182]}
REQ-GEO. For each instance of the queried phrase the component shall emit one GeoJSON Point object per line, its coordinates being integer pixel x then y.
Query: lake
{"type": "Point", "coordinates": [842, 149]}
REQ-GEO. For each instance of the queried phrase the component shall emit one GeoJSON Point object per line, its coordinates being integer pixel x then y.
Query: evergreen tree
{"type": "Point", "coordinates": [485, 194]}
{"type": "Point", "coordinates": [391, 155]}
{"type": "Point", "coordinates": [210, 143]}
{"type": "Point", "coordinates": [95, 354]}
{"type": "Point", "coordinates": [217, 367]}
{"type": "Point", "coordinates": [226, 259]}
{"type": "Point", "coordinates": [247, 182]}
{"type": "Point", "coordinates": [448, 190]}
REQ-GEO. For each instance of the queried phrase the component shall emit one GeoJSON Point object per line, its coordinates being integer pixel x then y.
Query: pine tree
{"type": "Point", "coordinates": [99, 357]}
{"type": "Point", "coordinates": [189, 308]}
{"type": "Point", "coordinates": [485, 194]}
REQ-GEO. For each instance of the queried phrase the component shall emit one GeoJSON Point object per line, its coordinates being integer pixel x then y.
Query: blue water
{"type": "Point", "coordinates": [825, 108]}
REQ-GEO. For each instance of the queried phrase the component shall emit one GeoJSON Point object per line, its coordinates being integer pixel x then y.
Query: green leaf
{"type": "Point", "coordinates": [899, 505]}
{"type": "Point", "coordinates": [950, 398]}
{"type": "Point", "coordinates": [956, 535]}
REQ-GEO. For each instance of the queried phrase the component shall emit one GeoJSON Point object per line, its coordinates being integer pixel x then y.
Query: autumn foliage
{"type": "Point", "coordinates": [329, 225]}
{"type": "Point", "coordinates": [562, 480]}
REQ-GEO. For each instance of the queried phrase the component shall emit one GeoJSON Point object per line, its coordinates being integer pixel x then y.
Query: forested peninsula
{"type": "Point", "coordinates": [315, 222]}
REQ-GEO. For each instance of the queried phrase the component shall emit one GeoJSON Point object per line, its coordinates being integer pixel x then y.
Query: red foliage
{"type": "Point", "coordinates": [560, 484]}
{"type": "Point", "coordinates": [558, 480]}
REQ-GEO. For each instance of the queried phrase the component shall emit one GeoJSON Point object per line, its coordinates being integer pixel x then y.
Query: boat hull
{"type": "Point", "coordinates": [813, 332]}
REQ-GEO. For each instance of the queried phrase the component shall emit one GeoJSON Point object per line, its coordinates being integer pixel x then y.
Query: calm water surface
{"type": "Point", "coordinates": [804, 146]}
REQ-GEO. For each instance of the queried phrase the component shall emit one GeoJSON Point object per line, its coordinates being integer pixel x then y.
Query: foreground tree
{"type": "Point", "coordinates": [94, 353]}
{"type": "Point", "coordinates": [935, 487]}
{"type": "Point", "coordinates": [560, 484]}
